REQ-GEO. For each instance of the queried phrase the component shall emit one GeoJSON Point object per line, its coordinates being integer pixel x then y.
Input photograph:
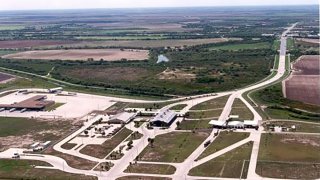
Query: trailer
{"type": "Point", "coordinates": [12, 109]}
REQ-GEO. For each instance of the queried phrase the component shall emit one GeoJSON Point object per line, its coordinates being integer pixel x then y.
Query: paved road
{"type": "Point", "coordinates": [182, 168]}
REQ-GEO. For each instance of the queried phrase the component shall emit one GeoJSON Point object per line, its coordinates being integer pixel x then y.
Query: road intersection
{"type": "Point", "coordinates": [182, 168]}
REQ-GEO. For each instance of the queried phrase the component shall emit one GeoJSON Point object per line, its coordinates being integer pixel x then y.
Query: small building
{"type": "Point", "coordinates": [122, 118]}
{"type": "Point", "coordinates": [250, 124]}
{"type": "Point", "coordinates": [217, 124]}
{"type": "Point", "coordinates": [234, 117]}
{"type": "Point", "coordinates": [235, 124]}
{"type": "Point", "coordinates": [164, 118]}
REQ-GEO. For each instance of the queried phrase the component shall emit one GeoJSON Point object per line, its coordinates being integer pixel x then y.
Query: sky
{"type": "Point", "coordinates": [88, 4]}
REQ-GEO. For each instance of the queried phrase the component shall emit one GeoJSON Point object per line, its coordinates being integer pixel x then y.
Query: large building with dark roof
{"type": "Point", "coordinates": [38, 102]}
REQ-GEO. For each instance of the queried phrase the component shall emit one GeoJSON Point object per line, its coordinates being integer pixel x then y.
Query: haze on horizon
{"type": "Point", "coordinates": [85, 4]}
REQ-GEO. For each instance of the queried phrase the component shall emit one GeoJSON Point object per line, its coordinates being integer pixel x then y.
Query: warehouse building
{"type": "Point", "coordinates": [122, 118]}
{"type": "Point", "coordinates": [38, 103]}
{"type": "Point", "coordinates": [164, 118]}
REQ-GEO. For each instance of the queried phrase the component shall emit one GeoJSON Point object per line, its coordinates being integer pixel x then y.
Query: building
{"type": "Point", "coordinates": [234, 124]}
{"type": "Point", "coordinates": [122, 118]}
{"type": "Point", "coordinates": [164, 118]}
{"type": "Point", "coordinates": [38, 103]}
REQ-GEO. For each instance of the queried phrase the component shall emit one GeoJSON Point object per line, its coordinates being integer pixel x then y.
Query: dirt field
{"type": "Point", "coordinates": [31, 43]}
{"type": "Point", "coordinates": [82, 54]}
{"type": "Point", "coordinates": [304, 83]}
{"type": "Point", "coordinates": [5, 78]}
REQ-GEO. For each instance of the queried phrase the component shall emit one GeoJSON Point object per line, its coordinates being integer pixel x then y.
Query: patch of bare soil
{"type": "Point", "coordinates": [179, 74]}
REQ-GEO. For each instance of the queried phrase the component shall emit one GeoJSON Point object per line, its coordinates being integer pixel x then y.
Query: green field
{"type": "Point", "coordinates": [173, 147]}
{"type": "Point", "coordinates": [151, 37]}
{"type": "Point", "coordinates": [300, 126]}
{"type": "Point", "coordinates": [194, 124]}
{"type": "Point", "coordinates": [11, 27]}
{"type": "Point", "coordinates": [204, 114]}
{"type": "Point", "coordinates": [233, 164]}
{"type": "Point", "coordinates": [150, 169]}
{"type": "Point", "coordinates": [236, 47]}
{"type": "Point", "coordinates": [223, 140]}
{"type": "Point", "coordinates": [101, 151]}
{"type": "Point", "coordinates": [239, 108]}
{"type": "Point", "coordinates": [280, 152]}
{"type": "Point", "coordinates": [212, 104]}
{"type": "Point", "coordinates": [23, 169]}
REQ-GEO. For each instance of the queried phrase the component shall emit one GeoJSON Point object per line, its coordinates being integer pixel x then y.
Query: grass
{"type": "Point", "coordinates": [23, 169]}
{"type": "Point", "coordinates": [68, 146]}
{"type": "Point", "coordinates": [236, 47]}
{"type": "Point", "coordinates": [239, 108]}
{"type": "Point", "coordinates": [228, 165]}
{"type": "Point", "coordinates": [73, 161]}
{"type": "Point", "coordinates": [276, 62]}
{"type": "Point", "coordinates": [212, 104]}
{"type": "Point", "coordinates": [276, 45]}
{"type": "Point", "coordinates": [142, 178]}
{"type": "Point", "coordinates": [5, 52]}
{"type": "Point", "coordinates": [53, 106]}
{"type": "Point", "coordinates": [194, 124]}
{"type": "Point", "coordinates": [300, 126]}
{"type": "Point", "coordinates": [151, 37]}
{"type": "Point", "coordinates": [290, 44]}
{"type": "Point", "coordinates": [289, 148]}
{"type": "Point", "coordinates": [11, 27]}
{"type": "Point", "coordinates": [150, 168]}
{"type": "Point", "coordinates": [173, 147]}
{"type": "Point", "coordinates": [14, 126]}
{"type": "Point", "coordinates": [223, 140]}
{"type": "Point", "coordinates": [204, 114]}
{"type": "Point", "coordinates": [101, 151]}
{"type": "Point", "coordinates": [289, 156]}
{"type": "Point", "coordinates": [178, 107]}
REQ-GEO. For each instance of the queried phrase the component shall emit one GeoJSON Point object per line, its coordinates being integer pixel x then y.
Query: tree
{"type": "Point", "coordinates": [86, 132]}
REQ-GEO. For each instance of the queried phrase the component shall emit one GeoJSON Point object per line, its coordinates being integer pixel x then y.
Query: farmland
{"type": "Point", "coordinates": [304, 85]}
{"type": "Point", "coordinates": [83, 54]}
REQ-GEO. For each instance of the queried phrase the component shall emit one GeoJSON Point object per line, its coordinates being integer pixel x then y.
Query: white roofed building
{"type": "Point", "coordinates": [165, 117]}
{"type": "Point", "coordinates": [122, 118]}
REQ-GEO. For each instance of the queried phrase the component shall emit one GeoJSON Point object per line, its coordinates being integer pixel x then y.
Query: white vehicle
{"type": "Point", "coordinates": [12, 109]}
{"type": "Point", "coordinates": [23, 110]}
{"type": "Point", "coordinates": [2, 109]}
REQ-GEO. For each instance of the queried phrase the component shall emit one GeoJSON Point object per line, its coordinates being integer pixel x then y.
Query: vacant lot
{"type": "Point", "coordinates": [173, 147]}
{"type": "Point", "coordinates": [304, 84]}
{"type": "Point", "coordinates": [233, 164]}
{"type": "Point", "coordinates": [22, 132]}
{"type": "Point", "coordinates": [22, 169]}
{"type": "Point", "coordinates": [82, 54]}
{"type": "Point", "coordinates": [289, 156]}
{"type": "Point", "coordinates": [150, 168]}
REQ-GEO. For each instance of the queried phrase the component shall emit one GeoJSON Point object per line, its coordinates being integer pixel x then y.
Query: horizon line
{"type": "Point", "coordinates": [160, 7]}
